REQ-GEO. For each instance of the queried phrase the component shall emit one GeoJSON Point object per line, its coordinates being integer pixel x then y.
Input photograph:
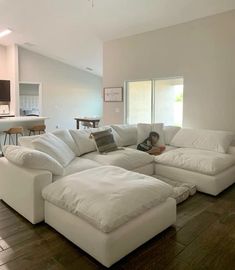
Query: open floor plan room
{"type": "Point", "coordinates": [117, 134]}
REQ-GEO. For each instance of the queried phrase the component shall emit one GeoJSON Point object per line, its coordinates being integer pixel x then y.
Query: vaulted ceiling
{"type": "Point", "coordinates": [73, 31]}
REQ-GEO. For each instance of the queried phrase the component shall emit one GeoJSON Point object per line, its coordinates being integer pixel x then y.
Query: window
{"type": "Point", "coordinates": [168, 103]}
{"type": "Point", "coordinates": [155, 101]}
{"type": "Point", "coordinates": [139, 97]}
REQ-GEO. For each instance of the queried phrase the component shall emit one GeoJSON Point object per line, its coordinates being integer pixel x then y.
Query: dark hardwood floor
{"type": "Point", "coordinates": [202, 238]}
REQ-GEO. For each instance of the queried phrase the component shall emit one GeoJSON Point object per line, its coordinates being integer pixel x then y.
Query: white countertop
{"type": "Point", "coordinates": [22, 119]}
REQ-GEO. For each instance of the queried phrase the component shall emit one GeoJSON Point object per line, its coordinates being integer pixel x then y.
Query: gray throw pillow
{"type": "Point", "coordinates": [104, 141]}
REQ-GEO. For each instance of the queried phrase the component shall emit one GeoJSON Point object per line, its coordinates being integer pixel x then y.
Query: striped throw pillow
{"type": "Point", "coordinates": [104, 141]}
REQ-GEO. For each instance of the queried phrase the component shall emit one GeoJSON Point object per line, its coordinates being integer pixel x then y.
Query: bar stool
{"type": "Point", "coordinates": [40, 129]}
{"type": "Point", "coordinates": [13, 131]}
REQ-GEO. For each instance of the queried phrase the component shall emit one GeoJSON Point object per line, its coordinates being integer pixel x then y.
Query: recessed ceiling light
{"type": "Point", "coordinates": [5, 32]}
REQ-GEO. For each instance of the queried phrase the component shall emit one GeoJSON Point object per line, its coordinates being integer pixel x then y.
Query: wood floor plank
{"type": "Point", "coordinates": [179, 265]}
{"type": "Point", "coordinates": [9, 221]}
{"type": "Point", "coordinates": [221, 256]}
{"type": "Point", "coordinates": [32, 263]}
{"type": "Point", "coordinates": [222, 206]}
{"type": "Point", "coordinates": [155, 254]}
{"type": "Point", "coordinates": [208, 241]}
{"type": "Point", "coordinates": [13, 229]}
{"type": "Point", "coordinates": [192, 208]}
{"type": "Point", "coordinates": [18, 238]}
{"type": "Point", "coordinates": [195, 227]}
{"type": "Point", "coordinates": [228, 194]}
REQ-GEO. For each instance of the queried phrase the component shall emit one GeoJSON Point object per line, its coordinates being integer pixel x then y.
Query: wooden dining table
{"type": "Point", "coordinates": [94, 121]}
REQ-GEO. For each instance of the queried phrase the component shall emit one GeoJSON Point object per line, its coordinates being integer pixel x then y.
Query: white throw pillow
{"type": "Point", "coordinates": [67, 138]}
{"type": "Point", "coordinates": [85, 144]}
{"type": "Point", "coordinates": [54, 147]}
{"type": "Point", "coordinates": [212, 140]}
{"type": "Point", "coordinates": [27, 141]}
{"type": "Point", "coordinates": [125, 135]}
{"type": "Point", "coordinates": [32, 159]}
{"type": "Point", "coordinates": [143, 131]}
{"type": "Point", "coordinates": [169, 133]}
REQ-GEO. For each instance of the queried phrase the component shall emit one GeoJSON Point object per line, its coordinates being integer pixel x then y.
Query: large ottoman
{"type": "Point", "coordinates": [109, 211]}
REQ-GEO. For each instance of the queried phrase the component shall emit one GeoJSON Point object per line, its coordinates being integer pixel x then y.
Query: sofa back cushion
{"type": "Point", "coordinates": [32, 159]}
{"type": "Point", "coordinates": [27, 141]}
{"type": "Point", "coordinates": [169, 133]}
{"type": "Point", "coordinates": [66, 137]}
{"type": "Point", "coordinates": [212, 140]}
{"type": "Point", "coordinates": [125, 135]}
{"type": "Point", "coordinates": [104, 141]}
{"type": "Point", "coordinates": [143, 131]}
{"type": "Point", "coordinates": [85, 144]}
{"type": "Point", "coordinates": [54, 147]}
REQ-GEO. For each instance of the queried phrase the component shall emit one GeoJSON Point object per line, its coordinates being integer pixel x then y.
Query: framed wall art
{"type": "Point", "coordinates": [113, 94]}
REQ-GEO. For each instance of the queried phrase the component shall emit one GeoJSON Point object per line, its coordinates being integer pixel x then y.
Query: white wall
{"type": "Point", "coordinates": [202, 51]}
{"type": "Point", "coordinates": [13, 74]}
{"type": "Point", "coordinates": [67, 92]}
{"type": "Point", "coordinates": [9, 71]}
{"type": "Point", "coordinates": [3, 64]}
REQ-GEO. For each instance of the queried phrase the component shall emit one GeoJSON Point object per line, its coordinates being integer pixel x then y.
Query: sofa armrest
{"type": "Point", "coordinates": [21, 189]}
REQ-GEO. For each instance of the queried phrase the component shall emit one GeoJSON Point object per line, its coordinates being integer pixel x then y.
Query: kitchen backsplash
{"type": "Point", "coordinates": [4, 109]}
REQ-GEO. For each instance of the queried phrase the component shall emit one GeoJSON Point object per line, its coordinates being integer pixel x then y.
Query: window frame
{"type": "Point", "coordinates": [153, 103]}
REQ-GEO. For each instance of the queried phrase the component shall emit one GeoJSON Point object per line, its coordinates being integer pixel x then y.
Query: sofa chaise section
{"type": "Point", "coordinates": [202, 158]}
{"type": "Point", "coordinates": [210, 184]}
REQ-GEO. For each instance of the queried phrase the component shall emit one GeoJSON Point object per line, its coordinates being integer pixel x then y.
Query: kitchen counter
{"type": "Point", "coordinates": [6, 115]}
{"type": "Point", "coordinates": [21, 121]}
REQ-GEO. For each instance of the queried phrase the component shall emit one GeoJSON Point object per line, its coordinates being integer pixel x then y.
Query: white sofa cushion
{"type": "Point", "coordinates": [212, 140]}
{"type": "Point", "coordinates": [202, 161]}
{"type": "Point", "coordinates": [107, 197]}
{"type": "Point", "coordinates": [143, 131]}
{"type": "Point", "coordinates": [80, 164]}
{"type": "Point", "coordinates": [127, 158]}
{"type": "Point", "coordinates": [84, 142]}
{"type": "Point", "coordinates": [66, 137]}
{"type": "Point", "coordinates": [54, 147]}
{"type": "Point", "coordinates": [27, 141]}
{"type": "Point", "coordinates": [125, 135]}
{"type": "Point", "coordinates": [169, 133]}
{"type": "Point", "coordinates": [32, 159]}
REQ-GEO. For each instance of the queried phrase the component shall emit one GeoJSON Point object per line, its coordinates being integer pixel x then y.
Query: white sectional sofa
{"type": "Point", "coordinates": [204, 158]}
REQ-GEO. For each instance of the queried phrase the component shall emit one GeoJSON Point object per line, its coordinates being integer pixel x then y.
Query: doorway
{"type": "Point", "coordinates": [30, 95]}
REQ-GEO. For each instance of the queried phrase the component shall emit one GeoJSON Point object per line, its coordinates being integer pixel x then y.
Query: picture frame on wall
{"type": "Point", "coordinates": [113, 94]}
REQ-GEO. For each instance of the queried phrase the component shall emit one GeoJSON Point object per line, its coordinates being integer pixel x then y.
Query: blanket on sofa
{"type": "Point", "coordinates": [107, 196]}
